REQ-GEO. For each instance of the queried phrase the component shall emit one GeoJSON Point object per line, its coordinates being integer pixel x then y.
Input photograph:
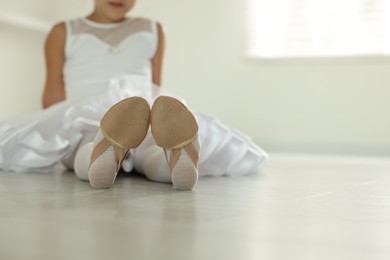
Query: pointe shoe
{"type": "Point", "coordinates": [123, 127]}
{"type": "Point", "coordinates": [175, 129]}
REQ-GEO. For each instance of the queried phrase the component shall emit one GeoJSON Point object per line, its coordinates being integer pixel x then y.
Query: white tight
{"type": "Point", "coordinates": [148, 159]}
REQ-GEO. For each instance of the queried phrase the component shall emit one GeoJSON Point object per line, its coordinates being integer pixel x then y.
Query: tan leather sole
{"type": "Point", "coordinates": [173, 125]}
{"type": "Point", "coordinates": [126, 123]}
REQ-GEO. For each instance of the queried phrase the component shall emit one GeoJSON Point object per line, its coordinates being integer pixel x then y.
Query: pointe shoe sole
{"type": "Point", "coordinates": [174, 127]}
{"type": "Point", "coordinates": [124, 127]}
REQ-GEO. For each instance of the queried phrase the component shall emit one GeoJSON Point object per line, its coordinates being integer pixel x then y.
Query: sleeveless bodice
{"type": "Point", "coordinates": [97, 52]}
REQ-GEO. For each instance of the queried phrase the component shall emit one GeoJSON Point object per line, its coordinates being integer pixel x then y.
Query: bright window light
{"type": "Point", "coordinates": [312, 28]}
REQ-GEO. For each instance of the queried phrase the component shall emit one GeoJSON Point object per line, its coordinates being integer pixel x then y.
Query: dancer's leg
{"type": "Point", "coordinates": [83, 157]}
{"type": "Point", "coordinates": [70, 160]}
{"type": "Point", "coordinates": [81, 162]}
{"type": "Point", "coordinates": [150, 161]}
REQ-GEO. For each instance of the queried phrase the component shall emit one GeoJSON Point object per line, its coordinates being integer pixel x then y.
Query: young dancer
{"type": "Point", "coordinates": [102, 96]}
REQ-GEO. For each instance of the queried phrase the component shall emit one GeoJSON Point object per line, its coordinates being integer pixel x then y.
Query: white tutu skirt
{"type": "Point", "coordinates": [39, 141]}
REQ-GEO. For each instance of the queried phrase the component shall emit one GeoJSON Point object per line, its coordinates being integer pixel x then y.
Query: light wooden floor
{"type": "Point", "coordinates": [301, 207]}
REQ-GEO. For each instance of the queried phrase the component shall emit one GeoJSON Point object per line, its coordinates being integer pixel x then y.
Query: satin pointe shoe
{"type": "Point", "coordinates": [175, 129]}
{"type": "Point", "coordinates": [123, 127]}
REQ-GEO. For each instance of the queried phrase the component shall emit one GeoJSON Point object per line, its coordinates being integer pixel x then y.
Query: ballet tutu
{"type": "Point", "coordinates": [40, 140]}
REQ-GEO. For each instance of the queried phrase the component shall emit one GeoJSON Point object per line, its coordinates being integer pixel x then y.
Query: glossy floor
{"type": "Point", "coordinates": [301, 207]}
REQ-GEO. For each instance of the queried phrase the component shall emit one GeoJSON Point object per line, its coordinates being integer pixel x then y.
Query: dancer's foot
{"type": "Point", "coordinates": [122, 128]}
{"type": "Point", "coordinates": [175, 129]}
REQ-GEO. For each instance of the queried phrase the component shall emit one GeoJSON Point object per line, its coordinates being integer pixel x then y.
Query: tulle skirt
{"type": "Point", "coordinates": [39, 141]}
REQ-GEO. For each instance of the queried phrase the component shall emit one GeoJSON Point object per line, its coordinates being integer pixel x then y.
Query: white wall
{"type": "Point", "coordinates": [21, 70]}
{"type": "Point", "coordinates": [337, 106]}
{"type": "Point", "coordinates": [22, 67]}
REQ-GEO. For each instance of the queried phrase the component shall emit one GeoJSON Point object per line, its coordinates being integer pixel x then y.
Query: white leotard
{"type": "Point", "coordinates": [98, 52]}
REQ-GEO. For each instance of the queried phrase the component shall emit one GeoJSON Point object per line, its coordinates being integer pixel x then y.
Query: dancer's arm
{"type": "Point", "coordinates": [157, 60]}
{"type": "Point", "coordinates": [54, 90]}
